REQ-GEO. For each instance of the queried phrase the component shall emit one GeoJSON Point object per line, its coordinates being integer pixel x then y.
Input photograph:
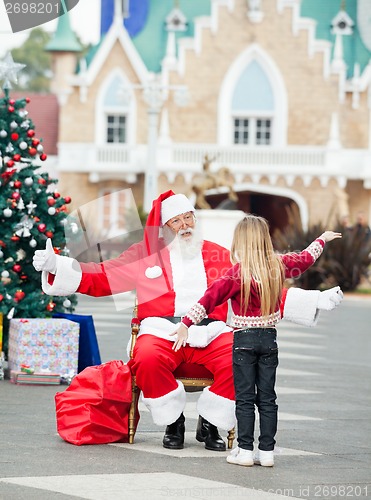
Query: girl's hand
{"type": "Point", "coordinates": [181, 341]}
{"type": "Point", "coordinates": [329, 236]}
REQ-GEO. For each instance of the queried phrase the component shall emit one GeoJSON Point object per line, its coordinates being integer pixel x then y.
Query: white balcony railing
{"type": "Point", "coordinates": [113, 160]}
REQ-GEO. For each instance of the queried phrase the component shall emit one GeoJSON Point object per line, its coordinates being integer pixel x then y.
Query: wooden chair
{"type": "Point", "coordinates": [194, 378]}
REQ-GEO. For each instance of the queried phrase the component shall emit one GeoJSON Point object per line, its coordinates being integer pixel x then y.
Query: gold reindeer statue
{"type": "Point", "coordinates": [212, 180]}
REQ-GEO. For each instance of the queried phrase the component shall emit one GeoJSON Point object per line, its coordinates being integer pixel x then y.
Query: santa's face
{"type": "Point", "coordinates": [182, 225]}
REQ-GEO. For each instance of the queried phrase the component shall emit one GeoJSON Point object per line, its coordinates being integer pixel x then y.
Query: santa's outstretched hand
{"type": "Point", "coordinates": [45, 260]}
{"type": "Point", "coordinates": [329, 299]}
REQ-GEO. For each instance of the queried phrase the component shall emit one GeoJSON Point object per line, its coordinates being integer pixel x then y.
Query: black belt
{"type": "Point", "coordinates": [178, 319]}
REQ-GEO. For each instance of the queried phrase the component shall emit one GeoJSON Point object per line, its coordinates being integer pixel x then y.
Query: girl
{"type": "Point", "coordinates": [254, 285]}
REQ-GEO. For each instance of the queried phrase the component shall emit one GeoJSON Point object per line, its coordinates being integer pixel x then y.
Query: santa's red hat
{"type": "Point", "coordinates": [164, 208]}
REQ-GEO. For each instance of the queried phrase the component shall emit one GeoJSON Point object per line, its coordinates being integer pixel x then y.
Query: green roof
{"type": "Point", "coordinates": [64, 39]}
{"type": "Point", "coordinates": [324, 11]}
{"type": "Point", "coordinates": [151, 41]}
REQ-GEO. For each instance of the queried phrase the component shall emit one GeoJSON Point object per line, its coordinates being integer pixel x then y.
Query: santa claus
{"type": "Point", "coordinates": [170, 270]}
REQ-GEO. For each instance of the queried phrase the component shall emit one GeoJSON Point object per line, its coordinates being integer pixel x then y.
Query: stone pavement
{"type": "Point", "coordinates": [323, 442]}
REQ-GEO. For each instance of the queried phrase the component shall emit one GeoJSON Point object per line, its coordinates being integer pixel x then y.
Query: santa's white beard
{"type": "Point", "coordinates": [187, 247]}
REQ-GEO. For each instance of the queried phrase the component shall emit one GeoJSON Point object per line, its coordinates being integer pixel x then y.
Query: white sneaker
{"type": "Point", "coordinates": [239, 456]}
{"type": "Point", "coordinates": [264, 458]}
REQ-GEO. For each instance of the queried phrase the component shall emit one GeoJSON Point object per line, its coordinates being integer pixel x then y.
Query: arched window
{"type": "Point", "coordinates": [115, 119]}
{"type": "Point", "coordinates": [252, 107]}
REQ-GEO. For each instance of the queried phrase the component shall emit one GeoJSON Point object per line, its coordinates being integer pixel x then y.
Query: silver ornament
{"type": "Point", "coordinates": [7, 212]}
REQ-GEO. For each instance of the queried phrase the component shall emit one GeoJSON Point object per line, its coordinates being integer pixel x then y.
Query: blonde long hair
{"type": "Point", "coordinates": [252, 248]}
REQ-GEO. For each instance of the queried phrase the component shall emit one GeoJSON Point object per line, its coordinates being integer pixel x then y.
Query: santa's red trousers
{"type": "Point", "coordinates": [154, 362]}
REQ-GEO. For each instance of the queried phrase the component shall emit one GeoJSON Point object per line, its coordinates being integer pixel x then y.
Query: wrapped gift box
{"type": "Point", "coordinates": [46, 345]}
{"type": "Point", "coordinates": [35, 378]}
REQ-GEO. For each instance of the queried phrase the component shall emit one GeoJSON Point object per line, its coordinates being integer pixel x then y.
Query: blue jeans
{"type": "Point", "coordinates": [255, 361]}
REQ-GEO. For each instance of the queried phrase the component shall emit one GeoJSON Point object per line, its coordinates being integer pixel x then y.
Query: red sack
{"type": "Point", "coordinates": [94, 409]}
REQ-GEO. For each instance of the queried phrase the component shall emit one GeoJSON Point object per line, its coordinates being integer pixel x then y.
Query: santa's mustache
{"type": "Point", "coordinates": [189, 230]}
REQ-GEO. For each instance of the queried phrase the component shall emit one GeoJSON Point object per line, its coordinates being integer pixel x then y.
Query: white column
{"type": "Point", "coordinates": [150, 180]}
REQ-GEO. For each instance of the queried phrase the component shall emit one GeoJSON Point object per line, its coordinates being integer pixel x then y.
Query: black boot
{"type": "Point", "coordinates": [174, 434]}
{"type": "Point", "coordinates": [207, 433]}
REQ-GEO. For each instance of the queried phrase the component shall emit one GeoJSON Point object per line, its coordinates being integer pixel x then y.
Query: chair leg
{"type": "Point", "coordinates": [133, 410]}
{"type": "Point", "coordinates": [231, 436]}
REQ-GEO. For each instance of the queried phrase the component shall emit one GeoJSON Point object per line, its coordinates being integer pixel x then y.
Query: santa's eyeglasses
{"type": "Point", "coordinates": [175, 222]}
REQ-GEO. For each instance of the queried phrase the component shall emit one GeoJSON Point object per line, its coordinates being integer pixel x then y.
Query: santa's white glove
{"type": "Point", "coordinates": [329, 299]}
{"type": "Point", "coordinates": [45, 260]}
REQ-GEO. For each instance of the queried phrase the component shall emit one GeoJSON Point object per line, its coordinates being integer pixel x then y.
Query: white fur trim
{"type": "Point", "coordinates": [67, 278]}
{"type": "Point", "coordinates": [175, 205]}
{"type": "Point", "coordinates": [153, 272]}
{"type": "Point", "coordinates": [189, 280]}
{"type": "Point", "coordinates": [198, 336]}
{"type": "Point", "coordinates": [217, 410]}
{"type": "Point", "coordinates": [166, 409]}
{"type": "Point", "coordinates": [301, 306]}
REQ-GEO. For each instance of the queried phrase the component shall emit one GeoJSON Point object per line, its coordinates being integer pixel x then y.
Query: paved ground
{"type": "Point", "coordinates": [323, 444]}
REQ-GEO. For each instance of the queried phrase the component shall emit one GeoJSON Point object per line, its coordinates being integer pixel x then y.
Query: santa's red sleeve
{"type": "Point", "coordinates": [98, 280]}
{"type": "Point", "coordinates": [300, 306]}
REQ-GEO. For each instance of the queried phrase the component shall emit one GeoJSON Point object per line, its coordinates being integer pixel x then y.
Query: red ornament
{"type": "Point", "coordinates": [32, 151]}
{"type": "Point", "coordinates": [17, 184]}
{"type": "Point", "coordinates": [14, 136]}
{"type": "Point", "coordinates": [35, 141]}
{"type": "Point", "coordinates": [49, 234]}
{"type": "Point", "coordinates": [10, 163]}
{"type": "Point", "coordinates": [11, 109]}
{"type": "Point", "coordinates": [41, 181]}
{"type": "Point", "coordinates": [56, 195]}
{"type": "Point", "coordinates": [1, 297]}
{"type": "Point", "coordinates": [67, 199]}
{"type": "Point", "coordinates": [41, 228]}
{"type": "Point", "coordinates": [19, 295]}
{"type": "Point", "coordinates": [28, 100]}
{"type": "Point", "coordinates": [24, 276]}
{"type": "Point", "coordinates": [30, 133]}
{"type": "Point", "coordinates": [51, 306]}
{"type": "Point", "coordinates": [51, 202]}
{"type": "Point", "coordinates": [16, 195]}
{"type": "Point", "coordinates": [17, 268]}
{"type": "Point", "coordinates": [43, 157]}
{"type": "Point", "coordinates": [17, 157]}
{"type": "Point", "coordinates": [2, 244]}
{"type": "Point", "coordinates": [11, 102]}
{"type": "Point", "coordinates": [15, 237]}
{"type": "Point", "coordinates": [36, 219]}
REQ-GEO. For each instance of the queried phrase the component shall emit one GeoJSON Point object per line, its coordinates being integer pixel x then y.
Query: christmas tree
{"type": "Point", "coordinates": [30, 211]}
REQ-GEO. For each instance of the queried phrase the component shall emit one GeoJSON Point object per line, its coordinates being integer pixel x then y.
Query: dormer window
{"type": "Point", "coordinates": [342, 24]}
{"type": "Point", "coordinates": [176, 21]}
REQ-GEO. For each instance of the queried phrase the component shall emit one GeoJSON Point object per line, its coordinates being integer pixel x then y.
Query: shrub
{"type": "Point", "coordinates": [344, 262]}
